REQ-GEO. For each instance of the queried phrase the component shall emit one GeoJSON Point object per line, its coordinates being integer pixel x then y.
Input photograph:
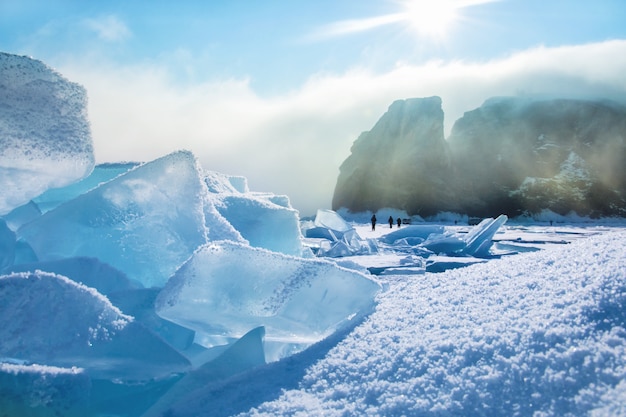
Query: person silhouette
{"type": "Point", "coordinates": [390, 222]}
{"type": "Point", "coordinates": [373, 222]}
{"type": "Point", "coordinates": [399, 222]}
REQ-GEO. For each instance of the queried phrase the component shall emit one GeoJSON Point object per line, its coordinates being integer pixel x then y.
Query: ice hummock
{"type": "Point", "coordinates": [331, 236]}
{"type": "Point", "coordinates": [90, 272]}
{"type": "Point", "coordinates": [49, 319]}
{"type": "Point", "coordinates": [45, 139]}
{"type": "Point", "coordinates": [228, 288]}
{"type": "Point", "coordinates": [263, 223]}
{"type": "Point", "coordinates": [246, 353]}
{"type": "Point", "coordinates": [262, 220]}
{"type": "Point", "coordinates": [479, 240]}
{"type": "Point", "coordinates": [42, 390]}
{"type": "Point", "coordinates": [145, 223]}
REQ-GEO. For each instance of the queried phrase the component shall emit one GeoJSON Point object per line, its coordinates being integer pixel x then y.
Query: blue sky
{"type": "Point", "coordinates": [278, 90]}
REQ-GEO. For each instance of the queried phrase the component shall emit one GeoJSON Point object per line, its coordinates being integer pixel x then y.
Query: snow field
{"type": "Point", "coordinates": [539, 334]}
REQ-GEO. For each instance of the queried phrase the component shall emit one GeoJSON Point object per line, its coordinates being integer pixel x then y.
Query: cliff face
{"type": "Point", "coordinates": [390, 165]}
{"type": "Point", "coordinates": [510, 155]}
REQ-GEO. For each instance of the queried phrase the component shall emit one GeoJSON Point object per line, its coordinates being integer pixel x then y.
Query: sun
{"type": "Point", "coordinates": [430, 18]}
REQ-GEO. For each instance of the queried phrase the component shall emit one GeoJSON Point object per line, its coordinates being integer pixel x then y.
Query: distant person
{"type": "Point", "coordinates": [373, 222]}
{"type": "Point", "coordinates": [390, 222]}
{"type": "Point", "coordinates": [399, 222]}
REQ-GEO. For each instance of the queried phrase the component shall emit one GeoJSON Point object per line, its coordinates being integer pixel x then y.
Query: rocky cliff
{"type": "Point", "coordinates": [391, 165]}
{"type": "Point", "coordinates": [511, 155]}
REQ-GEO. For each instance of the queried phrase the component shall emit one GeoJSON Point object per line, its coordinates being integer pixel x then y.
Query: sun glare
{"type": "Point", "coordinates": [431, 18]}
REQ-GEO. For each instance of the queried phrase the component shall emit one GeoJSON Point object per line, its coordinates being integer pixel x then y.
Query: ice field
{"type": "Point", "coordinates": [166, 289]}
{"type": "Point", "coordinates": [138, 296]}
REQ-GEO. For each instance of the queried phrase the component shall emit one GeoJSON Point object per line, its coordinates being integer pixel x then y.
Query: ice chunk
{"type": "Point", "coordinates": [334, 237]}
{"type": "Point", "coordinates": [412, 231]}
{"type": "Point", "coordinates": [227, 288]}
{"type": "Point", "coordinates": [39, 390]}
{"type": "Point", "coordinates": [24, 253]}
{"type": "Point", "coordinates": [244, 354]}
{"type": "Point", "coordinates": [218, 228]}
{"type": "Point", "coordinates": [476, 243]}
{"type": "Point", "coordinates": [261, 219]}
{"type": "Point", "coordinates": [50, 319]}
{"type": "Point", "coordinates": [219, 183]}
{"type": "Point", "coordinates": [88, 271]}
{"type": "Point", "coordinates": [145, 223]}
{"type": "Point", "coordinates": [7, 246]}
{"type": "Point", "coordinates": [337, 250]}
{"type": "Point", "coordinates": [444, 243]}
{"type": "Point", "coordinates": [349, 244]}
{"type": "Point", "coordinates": [320, 233]}
{"type": "Point", "coordinates": [139, 303]}
{"type": "Point", "coordinates": [331, 220]}
{"type": "Point", "coordinates": [262, 223]}
{"type": "Point", "coordinates": [45, 140]}
{"type": "Point", "coordinates": [21, 215]}
{"type": "Point", "coordinates": [479, 240]}
{"type": "Point", "coordinates": [101, 173]}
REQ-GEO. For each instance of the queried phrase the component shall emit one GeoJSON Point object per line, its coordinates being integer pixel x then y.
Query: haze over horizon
{"type": "Point", "coordinates": [278, 92]}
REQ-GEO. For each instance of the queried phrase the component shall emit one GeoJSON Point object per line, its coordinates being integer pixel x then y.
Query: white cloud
{"type": "Point", "coordinates": [294, 144]}
{"type": "Point", "coordinates": [108, 28]}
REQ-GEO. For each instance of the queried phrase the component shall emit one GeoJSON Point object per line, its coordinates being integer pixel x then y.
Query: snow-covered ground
{"type": "Point", "coordinates": [533, 334]}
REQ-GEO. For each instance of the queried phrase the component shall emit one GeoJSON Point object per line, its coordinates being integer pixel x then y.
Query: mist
{"type": "Point", "coordinates": [294, 142]}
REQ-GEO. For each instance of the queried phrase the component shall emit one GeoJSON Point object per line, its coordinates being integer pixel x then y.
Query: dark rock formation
{"type": "Point", "coordinates": [511, 156]}
{"type": "Point", "coordinates": [392, 165]}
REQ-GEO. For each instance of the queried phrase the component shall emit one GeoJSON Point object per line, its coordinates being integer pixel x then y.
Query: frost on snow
{"type": "Point", "coordinates": [541, 333]}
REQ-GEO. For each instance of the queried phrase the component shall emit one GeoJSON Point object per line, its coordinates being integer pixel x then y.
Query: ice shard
{"type": "Point", "coordinates": [145, 223]}
{"type": "Point", "coordinates": [226, 288]}
{"type": "Point", "coordinates": [263, 223]}
{"type": "Point", "coordinates": [244, 354]}
{"type": "Point", "coordinates": [412, 231]}
{"type": "Point", "coordinates": [263, 220]}
{"type": "Point", "coordinates": [334, 237]}
{"type": "Point", "coordinates": [49, 319]}
{"type": "Point", "coordinates": [7, 246]}
{"type": "Point", "coordinates": [329, 219]}
{"type": "Point", "coordinates": [87, 271]}
{"type": "Point", "coordinates": [479, 240]}
{"type": "Point", "coordinates": [40, 390]}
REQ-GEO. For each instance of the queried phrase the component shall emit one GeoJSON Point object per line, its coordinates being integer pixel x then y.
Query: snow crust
{"type": "Point", "coordinates": [541, 334]}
